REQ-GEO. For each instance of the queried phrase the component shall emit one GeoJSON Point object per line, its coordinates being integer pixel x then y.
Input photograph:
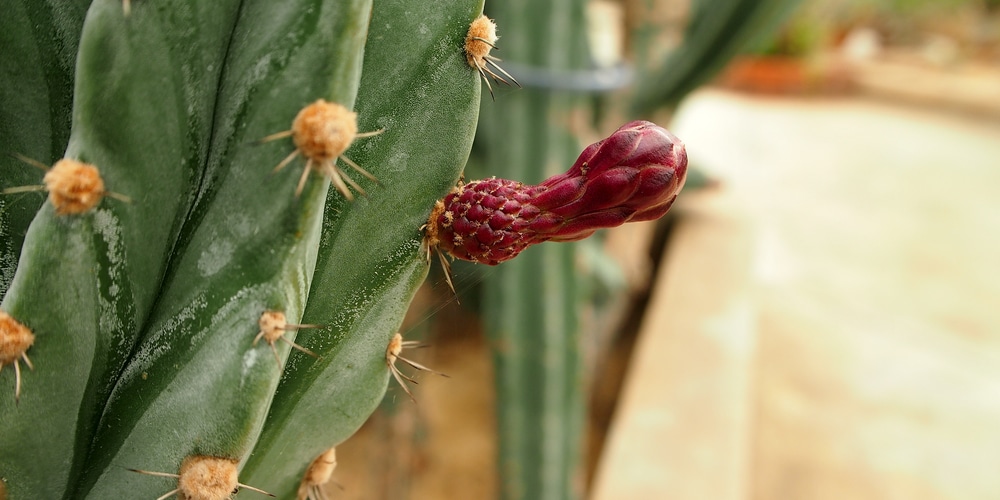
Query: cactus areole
{"type": "Point", "coordinates": [74, 187]}
{"type": "Point", "coordinates": [15, 340]}
{"type": "Point", "coordinates": [633, 175]}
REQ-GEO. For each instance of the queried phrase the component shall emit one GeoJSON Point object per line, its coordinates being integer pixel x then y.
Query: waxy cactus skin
{"type": "Point", "coordinates": [633, 175]}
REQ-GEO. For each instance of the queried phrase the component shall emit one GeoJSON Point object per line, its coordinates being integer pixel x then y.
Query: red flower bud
{"type": "Point", "coordinates": [633, 175]}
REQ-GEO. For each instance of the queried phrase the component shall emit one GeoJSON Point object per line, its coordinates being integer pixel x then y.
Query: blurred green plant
{"type": "Point", "coordinates": [800, 37]}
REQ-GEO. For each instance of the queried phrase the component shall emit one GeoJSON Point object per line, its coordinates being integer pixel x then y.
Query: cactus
{"type": "Point", "coordinates": [194, 311]}
{"type": "Point", "coordinates": [144, 312]}
{"type": "Point", "coordinates": [529, 307]}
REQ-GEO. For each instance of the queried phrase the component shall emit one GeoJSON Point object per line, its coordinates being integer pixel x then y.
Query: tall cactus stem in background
{"type": "Point", "coordinates": [530, 308]}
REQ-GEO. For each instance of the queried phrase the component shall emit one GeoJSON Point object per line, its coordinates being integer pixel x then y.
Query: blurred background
{"type": "Point", "coordinates": [817, 318]}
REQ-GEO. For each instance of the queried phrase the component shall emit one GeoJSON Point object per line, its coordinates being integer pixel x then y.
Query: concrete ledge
{"type": "Point", "coordinates": [682, 428]}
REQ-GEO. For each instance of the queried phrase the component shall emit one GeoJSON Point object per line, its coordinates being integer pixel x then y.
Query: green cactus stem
{"type": "Point", "coordinates": [246, 252]}
{"type": "Point", "coordinates": [164, 321]}
{"type": "Point", "coordinates": [371, 260]}
{"type": "Point", "coordinates": [529, 306]}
